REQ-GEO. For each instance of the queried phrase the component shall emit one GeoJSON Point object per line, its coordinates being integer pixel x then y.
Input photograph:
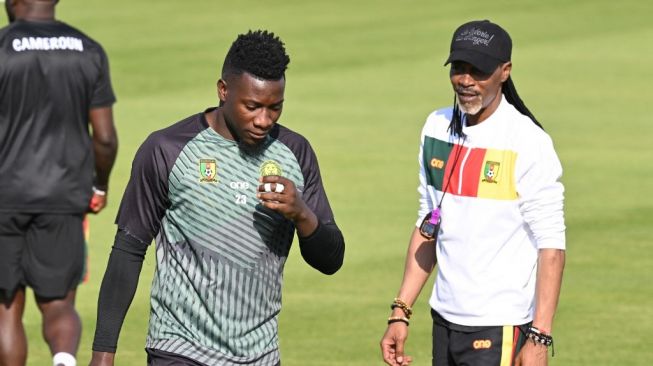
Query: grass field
{"type": "Point", "coordinates": [364, 74]}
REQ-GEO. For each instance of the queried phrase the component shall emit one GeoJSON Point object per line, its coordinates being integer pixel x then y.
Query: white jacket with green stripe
{"type": "Point", "coordinates": [503, 202]}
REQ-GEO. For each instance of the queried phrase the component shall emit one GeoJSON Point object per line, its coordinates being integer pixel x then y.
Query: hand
{"type": "Point", "coordinates": [98, 202]}
{"type": "Point", "coordinates": [102, 359]}
{"type": "Point", "coordinates": [282, 196]}
{"type": "Point", "coordinates": [532, 354]}
{"type": "Point", "coordinates": [392, 345]}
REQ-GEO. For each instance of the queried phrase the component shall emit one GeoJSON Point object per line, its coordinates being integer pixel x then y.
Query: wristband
{"type": "Point", "coordinates": [99, 192]}
{"type": "Point", "coordinates": [395, 319]}
{"type": "Point", "coordinates": [537, 336]}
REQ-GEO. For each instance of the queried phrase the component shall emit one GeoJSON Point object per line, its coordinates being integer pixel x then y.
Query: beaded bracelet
{"type": "Point", "coordinates": [539, 337]}
{"type": "Point", "coordinates": [398, 303]}
{"type": "Point", "coordinates": [395, 319]}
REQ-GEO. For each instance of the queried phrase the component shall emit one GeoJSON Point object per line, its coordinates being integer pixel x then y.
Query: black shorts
{"type": "Point", "coordinates": [455, 344]}
{"type": "Point", "coordinates": [157, 357]}
{"type": "Point", "coordinates": [42, 251]}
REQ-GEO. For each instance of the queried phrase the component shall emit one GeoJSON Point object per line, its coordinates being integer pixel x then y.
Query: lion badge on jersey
{"type": "Point", "coordinates": [208, 171]}
{"type": "Point", "coordinates": [270, 167]}
{"type": "Point", "coordinates": [491, 171]}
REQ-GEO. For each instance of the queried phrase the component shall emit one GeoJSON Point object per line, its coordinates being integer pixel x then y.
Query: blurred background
{"type": "Point", "coordinates": [363, 77]}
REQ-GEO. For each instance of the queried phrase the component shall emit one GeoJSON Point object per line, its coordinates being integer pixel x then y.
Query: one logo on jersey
{"type": "Point", "coordinates": [482, 344]}
{"type": "Point", "coordinates": [208, 171]}
{"type": "Point", "coordinates": [491, 171]}
{"type": "Point", "coordinates": [271, 167]}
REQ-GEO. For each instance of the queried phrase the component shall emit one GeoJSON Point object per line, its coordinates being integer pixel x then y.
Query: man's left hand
{"type": "Point", "coordinates": [532, 354]}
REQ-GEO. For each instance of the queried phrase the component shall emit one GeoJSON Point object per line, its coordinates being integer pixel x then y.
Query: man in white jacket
{"type": "Point", "coordinates": [491, 212]}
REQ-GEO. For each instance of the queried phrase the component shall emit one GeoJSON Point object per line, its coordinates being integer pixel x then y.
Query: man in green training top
{"type": "Point", "coordinates": [223, 192]}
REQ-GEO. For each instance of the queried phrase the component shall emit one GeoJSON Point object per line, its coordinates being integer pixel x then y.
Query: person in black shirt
{"type": "Point", "coordinates": [53, 81]}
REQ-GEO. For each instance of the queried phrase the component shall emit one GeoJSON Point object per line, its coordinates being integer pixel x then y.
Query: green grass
{"type": "Point", "coordinates": [364, 74]}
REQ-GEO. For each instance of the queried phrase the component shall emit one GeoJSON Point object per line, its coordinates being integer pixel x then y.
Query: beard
{"type": "Point", "coordinates": [252, 150]}
{"type": "Point", "coordinates": [246, 150]}
{"type": "Point", "coordinates": [472, 107]}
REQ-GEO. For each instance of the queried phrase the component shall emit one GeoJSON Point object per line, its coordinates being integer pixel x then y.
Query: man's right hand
{"type": "Point", "coordinates": [102, 359]}
{"type": "Point", "coordinates": [392, 345]}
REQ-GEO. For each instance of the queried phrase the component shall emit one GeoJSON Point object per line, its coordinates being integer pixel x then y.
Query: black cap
{"type": "Point", "coordinates": [482, 44]}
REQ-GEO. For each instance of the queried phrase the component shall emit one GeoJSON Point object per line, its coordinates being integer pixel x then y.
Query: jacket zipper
{"type": "Point", "coordinates": [462, 168]}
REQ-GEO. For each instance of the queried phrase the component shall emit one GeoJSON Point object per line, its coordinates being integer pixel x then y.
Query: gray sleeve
{"type": "Point", "coordinates": [324, 249]}
{"type": "Point", "coordinates": [314, 194]}
{"type": "Point", "coordinates": [145, 199]}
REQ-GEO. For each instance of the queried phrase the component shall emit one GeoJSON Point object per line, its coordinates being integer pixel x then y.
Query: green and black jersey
{"type": "Point", "coordinates": [220, 254]}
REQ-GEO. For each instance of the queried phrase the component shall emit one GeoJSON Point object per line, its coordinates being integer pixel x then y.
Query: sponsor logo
{"type": "Point", "coordinates": [482, 344]}
{"type": "Point", "coordinates": [491, 171]}
{"type": "Point", "coordinates": [240, 198]}
{"type": "Point", "coordinates": [239, 185]}
{"type": "Point", "coordinates": [437, 163]}
{"type": "Point", "coordinates": [270, 167]}
{"type": "Point", "coordinates": [208, 171]}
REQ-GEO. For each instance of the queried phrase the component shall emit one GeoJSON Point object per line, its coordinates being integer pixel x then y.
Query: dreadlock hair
{"type": "Point", "coordinates": [259, 53]}
{"type": "Point", "coordinates": [508, 89]}
{"type": "Point", "coordinates": [456, 124]}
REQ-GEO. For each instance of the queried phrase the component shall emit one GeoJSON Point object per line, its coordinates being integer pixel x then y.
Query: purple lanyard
{"type": "Point", "coordinates": [435, 215]}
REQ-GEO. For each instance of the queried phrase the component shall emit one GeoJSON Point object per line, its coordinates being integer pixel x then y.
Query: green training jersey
{"type": "Point", "coordinates": [216, 292]}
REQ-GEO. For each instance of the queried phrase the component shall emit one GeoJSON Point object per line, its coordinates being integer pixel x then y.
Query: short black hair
{"type": "Point", "coordinates": [260, 53]}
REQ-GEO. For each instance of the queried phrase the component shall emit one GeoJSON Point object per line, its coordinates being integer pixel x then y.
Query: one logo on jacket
{"type": "Point", "coordinates": [208, 171]}
{"type": "Point", "coordinates": [437, 163]}
{"type": "Point", "coordinates": [491, 171]}
{"type": "Point", "coordinates": [270, 167]}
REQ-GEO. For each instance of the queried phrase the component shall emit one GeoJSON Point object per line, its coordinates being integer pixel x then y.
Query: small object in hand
{"type": "Point", "coordinates": [267, 187]}
{"type": "Point", "coordinates": [279, 188]}
{"type": "Point", "coordinates": [95, 204]}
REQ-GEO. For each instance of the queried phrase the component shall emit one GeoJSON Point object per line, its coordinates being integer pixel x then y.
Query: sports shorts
{"type": "Point", "coordinates": [42, 251]}
{"type": "Point", "coordinates": [157, 357]}
{"type": "Point", "coordinates": [455, 344]}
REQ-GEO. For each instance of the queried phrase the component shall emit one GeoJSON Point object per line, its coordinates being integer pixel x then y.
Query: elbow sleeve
{"type": "Point", "coordinates": [324, 249]}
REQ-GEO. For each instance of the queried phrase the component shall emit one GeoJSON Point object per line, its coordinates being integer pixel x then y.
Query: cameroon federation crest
{"type": "Point", "coordinates": [271, 167]}
{"type": "Point", "coordinates": [208, 171]}
{"type": "Point", "coordinates": [491, 171]}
